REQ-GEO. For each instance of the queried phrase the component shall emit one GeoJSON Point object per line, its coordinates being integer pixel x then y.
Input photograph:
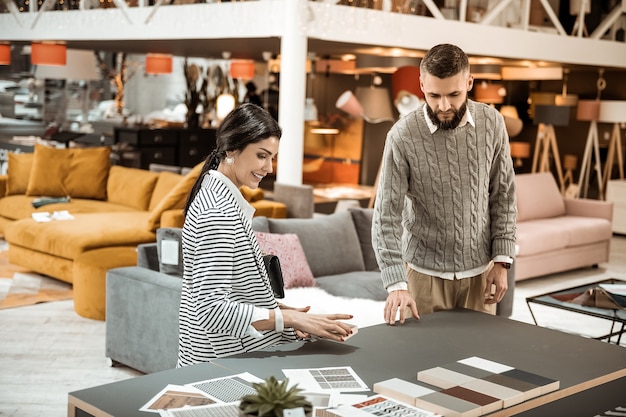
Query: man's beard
{"type": "Point", "coordinates": [447, 124]}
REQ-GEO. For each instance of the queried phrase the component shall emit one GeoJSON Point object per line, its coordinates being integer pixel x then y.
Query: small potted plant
{"type": "Point", "coordinates": [272, 398]}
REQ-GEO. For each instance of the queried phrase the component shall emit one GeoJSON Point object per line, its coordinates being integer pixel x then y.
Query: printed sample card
{"type": "Point", "coordinates": [228, 389]}
{"type": "Point", "coordinates": [377, 406]}
{"type": "Point", "coordinates": [213, 410]}
{"type": "Point", "coordinates": [342, 379]}
{"type": "Point", "coordinates": [176, 396]}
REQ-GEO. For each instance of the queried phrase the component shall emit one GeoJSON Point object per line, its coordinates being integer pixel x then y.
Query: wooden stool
{"type": "Point", "coordinates": [89, 273]}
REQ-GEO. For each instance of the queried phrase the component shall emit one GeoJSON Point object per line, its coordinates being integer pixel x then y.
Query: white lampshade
{"type": "Point", "coordinates": [225, 103]}
{"type": "Point", "coordinates": [310, 110]}
{"type": "Point", "coordinates": [80, 65]}
{"type": "Point", "coordinates": [350, 104]}
{"type": "Point", "coordinates": [376, 104]}
{"type": "Point", "coordinates": [612, 111]}
{"type": "Point", "coordinates": [406, 102]}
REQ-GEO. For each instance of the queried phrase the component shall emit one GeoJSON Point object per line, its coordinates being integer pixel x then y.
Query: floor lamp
{"type": "Point", "coordinates": [589, 111]}
{"type": "Point", "coordinates": [546, 117]}
{"type": "Point", "coordinates": [613, 111]}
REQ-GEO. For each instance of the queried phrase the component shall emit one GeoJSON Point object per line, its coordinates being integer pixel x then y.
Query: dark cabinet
{"type": "Point", "coordinates": [140, 147]}
{"type": "Point", "coordinates": [194, 145]}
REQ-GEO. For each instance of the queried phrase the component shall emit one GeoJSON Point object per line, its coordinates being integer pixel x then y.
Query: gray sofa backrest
{"type": "Point", "coordinates": [333, 244]}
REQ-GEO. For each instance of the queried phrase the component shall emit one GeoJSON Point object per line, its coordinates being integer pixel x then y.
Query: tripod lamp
{"type": "Point", "coordinates": [546, 117]}
{"type": "Point", "coordinates": [589, 111]}
{"type": "Point", "coordinates": [613, 111]}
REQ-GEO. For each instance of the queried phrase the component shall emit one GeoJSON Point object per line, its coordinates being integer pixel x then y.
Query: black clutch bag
{"type": "Point", "coordinates": [272, 265]}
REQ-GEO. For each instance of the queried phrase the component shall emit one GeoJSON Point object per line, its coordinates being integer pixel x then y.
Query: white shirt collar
{"type": "Point", "coordinates": [467, 118]}
{"type": "Point", "coordinates": [246, 208]}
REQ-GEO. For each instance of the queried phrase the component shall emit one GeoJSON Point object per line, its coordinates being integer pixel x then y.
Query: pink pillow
{"type": "Point", "coordinates": [296, 270]}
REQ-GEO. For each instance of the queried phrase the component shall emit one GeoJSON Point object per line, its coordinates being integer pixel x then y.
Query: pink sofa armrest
{"type": "Point", "coordinates": [589, 208]}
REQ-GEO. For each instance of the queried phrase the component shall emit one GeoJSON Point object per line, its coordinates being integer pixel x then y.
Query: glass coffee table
{"type": "Point", "coordinates": [562, 299]}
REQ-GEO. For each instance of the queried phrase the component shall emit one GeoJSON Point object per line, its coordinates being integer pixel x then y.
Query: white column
{"type": "Point", "coordinates": [293, 51]}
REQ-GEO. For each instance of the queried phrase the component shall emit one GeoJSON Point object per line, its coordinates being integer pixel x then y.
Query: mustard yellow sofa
{"type": "Point", "coordinates": [114, 209]}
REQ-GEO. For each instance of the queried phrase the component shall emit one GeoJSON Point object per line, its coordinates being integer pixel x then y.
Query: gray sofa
{"type": "Point", "coordinates": [143, 300]}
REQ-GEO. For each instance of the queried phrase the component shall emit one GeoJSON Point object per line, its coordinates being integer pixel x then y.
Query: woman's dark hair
{"type": "Point", "coordinates": [246, 124]}
{"type": "Point", "coordinates": [444, 60]}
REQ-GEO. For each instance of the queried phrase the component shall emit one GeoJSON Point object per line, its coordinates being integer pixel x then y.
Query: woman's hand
{"type": "Point", "coordinates": [326, 326]}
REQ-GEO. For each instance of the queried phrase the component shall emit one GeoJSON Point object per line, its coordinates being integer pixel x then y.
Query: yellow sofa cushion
{"type": "Point", "coordinates": [131, 187]}
{"type": "Point", "coordinates": [176, 198]}
{"type": "Point", "coordinates": [167, 182]}
{"type": "Point", "coordinates": [74, 172]}
{"type": "Point", "coordinates": [18, 172]}
{"type": "Point", "coordinates": [88, 172]}
{"type": "Point", "coordinates": [252, 195]}
{"type": "Point", "coordinates": [47, 176]}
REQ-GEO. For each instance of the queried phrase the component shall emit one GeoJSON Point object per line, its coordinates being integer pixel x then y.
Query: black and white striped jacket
{"type": "Point", "coordinates": [224, 277]}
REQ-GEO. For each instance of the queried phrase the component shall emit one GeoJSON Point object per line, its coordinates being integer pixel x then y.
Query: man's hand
{"type": "Point", "coordinates": [496, 285]}
{"type": "Point", "coordinates": [399, 300]}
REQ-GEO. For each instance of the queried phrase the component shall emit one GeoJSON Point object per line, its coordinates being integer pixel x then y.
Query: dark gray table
{"type": "Point", "coordinates": [381, 352]}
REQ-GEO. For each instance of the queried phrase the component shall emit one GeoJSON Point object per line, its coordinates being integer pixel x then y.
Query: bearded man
{"type": "Point", "coordinates": [444, 216]}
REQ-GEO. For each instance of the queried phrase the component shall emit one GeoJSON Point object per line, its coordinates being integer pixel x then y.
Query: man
{"type": "Point", "coordinates": [444, 217]}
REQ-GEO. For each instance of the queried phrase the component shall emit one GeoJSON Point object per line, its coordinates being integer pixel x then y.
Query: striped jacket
{"type": "Point", "coordinates": [224, 276]}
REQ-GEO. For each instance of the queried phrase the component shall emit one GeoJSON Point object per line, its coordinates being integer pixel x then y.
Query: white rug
{"type": "Point", "coordinates": [366, 312]}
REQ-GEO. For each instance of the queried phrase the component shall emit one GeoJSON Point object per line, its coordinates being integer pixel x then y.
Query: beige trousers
{"type": "Point", "coordinates": [434, 294]}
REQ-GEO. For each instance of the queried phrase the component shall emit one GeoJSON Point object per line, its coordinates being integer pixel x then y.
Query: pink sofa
{"type": "Point", "coordinates": [556, 234]}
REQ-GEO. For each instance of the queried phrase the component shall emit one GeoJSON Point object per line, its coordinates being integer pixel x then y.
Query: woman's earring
{"type": "Point", "coordinates": [230, 160]}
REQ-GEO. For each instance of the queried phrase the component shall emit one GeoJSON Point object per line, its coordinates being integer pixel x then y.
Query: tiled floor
{"type": "Point", "coordinates": [47, 350]}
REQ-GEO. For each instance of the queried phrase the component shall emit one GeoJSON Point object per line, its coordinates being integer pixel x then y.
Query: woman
{"type": "Point", "coordinates": [227, 304]}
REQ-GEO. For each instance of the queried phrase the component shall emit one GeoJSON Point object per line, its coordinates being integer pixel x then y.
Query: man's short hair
{"type": "Point", "coordinates": [444, 60]}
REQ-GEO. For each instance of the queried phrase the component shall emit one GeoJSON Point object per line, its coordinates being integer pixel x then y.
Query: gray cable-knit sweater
{"type": "Point", "coordinates": [445, 201]}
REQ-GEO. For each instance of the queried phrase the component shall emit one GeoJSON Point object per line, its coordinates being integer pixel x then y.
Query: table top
{"type": "Point", "coordinates": [380, 352]}
{"type": "Point", "coordinates": [558, 299]}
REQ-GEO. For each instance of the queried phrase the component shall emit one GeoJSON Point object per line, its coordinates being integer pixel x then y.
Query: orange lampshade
{"type": "Point", "coordinates": [158, 64]}
{"type": "Point", "coordinates": [588, 110]}
{"type": "Point", "coordinates": [520, 149]}
{"type": "Point", "coordinates": [489, 93]}
{"type": "Point", "coordinates": [5, 54]}
{"type": "Point", "coordinates": [43, 53]}
{"type": "Point", "coordinates": [242, 68]}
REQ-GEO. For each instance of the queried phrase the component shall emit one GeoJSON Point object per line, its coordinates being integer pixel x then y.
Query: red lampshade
{"type": "Point", "coordinates": [406, 78]}
{"type": "Point", "coordinates": [43, 53]}
{"type": "Point", "coordinates": [5, 54]}
{"type": "Point", "coordinates": [158, 64]}
{"type": "Point", "coordinates": [242, 68]}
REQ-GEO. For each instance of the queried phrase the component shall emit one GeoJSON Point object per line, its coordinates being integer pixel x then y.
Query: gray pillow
{"type": "Point", "coordinates": [362, 218]}
{"type": "Point", "coordinates": [260, 224]}
{"type": "Point", "coordinates": [169, 247]}
{"type": "Point", "coordinates": [330, 243]}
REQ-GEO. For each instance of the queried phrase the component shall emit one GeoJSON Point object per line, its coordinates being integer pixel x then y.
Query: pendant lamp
{"type": "Point", "coordinates": [44, 53]}
{"type": "Point", "coordinates": [5, 54]}
{"type": "Point", "coordinates": [158, 64]}
{"type": "Point", "coordinates": [242, 69]}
